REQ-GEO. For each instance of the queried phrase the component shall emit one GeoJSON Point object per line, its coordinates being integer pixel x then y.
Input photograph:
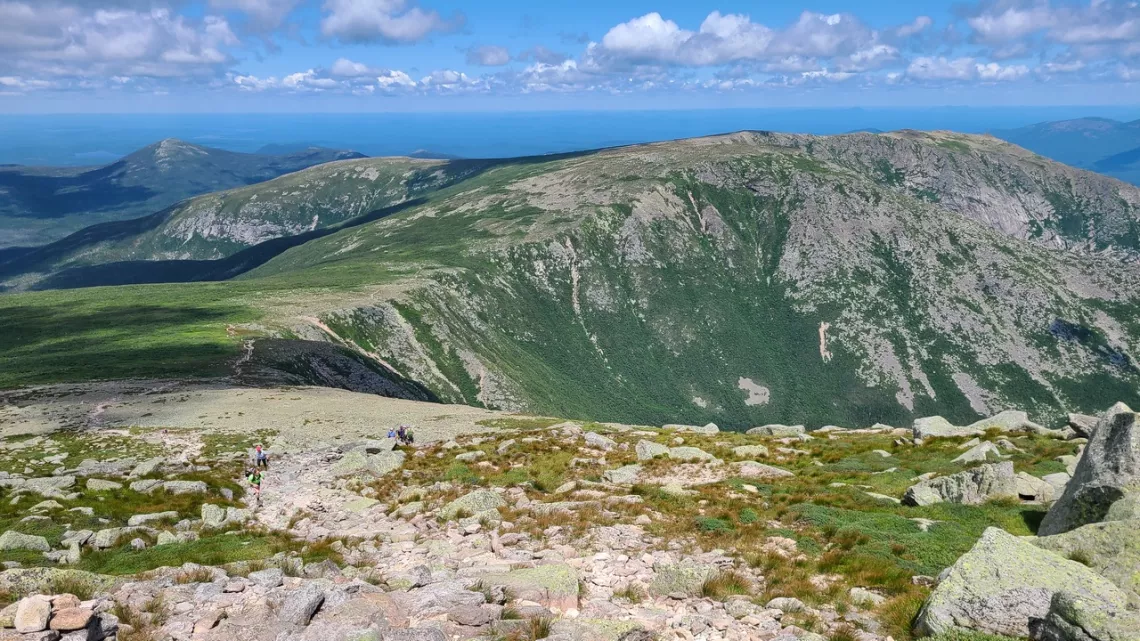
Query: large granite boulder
{"type": "Point", "coordinates": [553, 585]}
{"type": "Point", "coordinates": [971, 487]}
{"type": "Point", "coordinates": [932, 426]}
{"type": "Point", "coordinates": [1073, 617]}
{"type": "Point", "coordinates": [1003, 583]}
{"type": "Point", "coordinates": [685, 577]}
{"type": "Point", "coordinates": [473, 503]}
{"type": "Point", "coordinates": [1106, 482]}
{"type": "Point", "coordinates": [648, 450]}
{"type": "Point", "coordinates": [691, 454]}
{"type": "Point", "coordinates": [777, 430]}
{"type": "Point", "coordinates": [1083, 425]}
{"type": "Point", "coordinates": [1111, 548]}
{"type": "Point", "coordinates": [359, 462]}
{"type": "Point", "coordinates": [17, 541]}
{"type": "Point", "coordinates": [1008, 421]}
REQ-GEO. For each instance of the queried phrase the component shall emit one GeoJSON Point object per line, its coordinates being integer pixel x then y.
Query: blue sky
{"type": "Point", "coordinates": [459, 55]}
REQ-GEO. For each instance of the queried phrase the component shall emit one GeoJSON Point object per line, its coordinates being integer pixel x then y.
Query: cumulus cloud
{"type": "Point", "coordinates": [346, 68]}
{"type": "Point", "coordinates": [915, 27]}
{"type": "Point", "coordinates": [386, 21]}
{"type": "Point", "coordinates": [961, 69]}
{"type": "Point", "coordinates": [263, 15]}
{"type": "Point", "coordinates": [488, 56]}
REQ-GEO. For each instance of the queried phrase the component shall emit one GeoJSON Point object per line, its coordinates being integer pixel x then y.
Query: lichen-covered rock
{"type": "Point", "coordinates": [100, 485]}
{"type": "Point", "coordinates": [1031, 488]}
{"type": "Point", "coordinates": [32, 614]}
{"type": "Point", "coordinates": [1073, 617]}
{"type": "Point", "coordinates": [1111, 548]}
{"type": "Point", "coordinates": [685, 577]}
{"type": "Point", "coordinates": [1108, 472]}
{"type": "Point", "coordinates": [147, 467]}
{"type": "Point", "coordinates": [932, 426]}
{"type": "Point", "coordinates": [553, 585]}
{"type": "Point", "coordinates": [710, 428]}
{"type": "Point", "coordinates": [971, 487]}
{"type": "Point", "coordinates": [593, 439]}
{"type": "Point", "coordinates": [625, 475]}
{"type": "Point", "coordinates": [1082, 425]}
{"type": "Point", "coordinates": [750, 451]}
{"type": "Point", "coordinates": [984, 451]}
{"type": "Point", "coordinates": [1003, 583]}
{"type": "Point", "coordinates": [473, 503]}
{"type": "Point", "coordinates": [17, 541]}
{"type": "Point", "coordinates": [777, 430]}
{"type": "Point", "coordinates": [143, 519]}
{"type": "Point", "coordinates": [185, 487]}
{"type": "Point", "coordinates": [302, 604]}
{"type": "Point", "coordinates": [690, 454]}
{"type": "Point", "coordinates": [359, 462]}
{"type": "Point", "coordinates": [1008, 421]}
{"type": "Point", "coordinates": [213, 515]}
{"type": "Point", "coordinates": [754, 470]}
{"type": "Point", "coordinates": [648, 450]}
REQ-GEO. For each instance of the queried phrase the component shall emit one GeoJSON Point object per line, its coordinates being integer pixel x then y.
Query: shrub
{"type": "Point", "coordinates": [632, 593]}
{"type": "Point", "coordinates": [748, 516]}
{"type": "Point", "coordinates": [710, 525]}
{"type": "Point", "coordinates": [725, 584]}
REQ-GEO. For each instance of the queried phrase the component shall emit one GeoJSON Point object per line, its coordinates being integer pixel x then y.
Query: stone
{"type": "Point", "coordinates": [685, 577]}
{"type": "Point", "coordinates": [690, 454]}
{"type": "Point", "coordinates": [1003, 583]}
{"type": "Point", "coordinates": [937, 426]}
{"type": "Point", "coordinates": [99, 485]}
{"type": "Point", "coordinates": [302, 604]}
{"type": "Point", "coordinates": [625, 475]}
{"type": "Point", "coordinates": [777, 430]}
{"type": "Point", "coordinates": [1058, 481]}
{"type": "Point", "coordinates": [598, 441]}
{"type": "Point", "coordinates": [69, 619]}
{"type": "Point", "coordinates": [754, 470]}
{"type": "Point", "coordinates": [412, 634]}
{"type": "Point", "coordinates": [213, 515]}
{"type": "Point", "coordinates": [553, 585]}
{"type": "Point", "coordinates": [971, 487]}
{"type": "Point", "coordinates": [1112, 549]}
{"type": "Point", "coordinates": [786, 604]}
{"type": "Point", "coordinates": [1073, 617]}
{"type": "Point", "coordinates": [1009, 421]}
{"type": "Point", "coordinates": [710, 428]}
{"type": "Point", "coordinates": [268, 579]}
{"type": "Point", "coordinates": [438, 598]}
{"type": "Point", "coordinates": [750, 451]}
{"type": "Point", "coordinates": [1083, 425]}
{"type": "Point", "coordinates": [143, 519]}
{"type": "Point", "coordinates": [1031, 488]}
{"type": "Point", "coordinates": [469, 457]}
{"type": "Point", "coordinates": [1108, 472]}
{"type": "Point", "coordinates": [474, 615]}
{"type": "Point", "coordinates": [473, 503]}
{"type": "Point", "coordinates": [647, 450]}
{"type": "Point", "coordinates": [147, 467]}
{"type": "Point", "coordinates": [185, 487]}
{"type": "Point", "coordinates": [358, 463]}
{"type": "Point", "coordinates": [865, 598]}
{"type": "Point", "coordinates": [145, 486]}
{"type": "Point", "coordinates": [984, 451]}
{"type": "Point", "coordinates": [358, 505]}
{"type": "Point", "coordinates": [32, 614]}
{"type": "Point", "coordinates": [16, 541]}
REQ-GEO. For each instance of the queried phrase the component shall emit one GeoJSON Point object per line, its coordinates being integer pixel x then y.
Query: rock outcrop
{"type": "Point", "coordinates": [1004, 583]}
{"type": "Point", "coordinates": [1106, 482]}
{"type": "Point", "coordinates": [971, 487]}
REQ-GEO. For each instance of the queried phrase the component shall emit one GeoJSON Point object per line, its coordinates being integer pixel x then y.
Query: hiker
{"type": "Point", "coordinates": [391, 432]}
{"type": "Point", "coordinates": [254, 478]}
{"type": "Point", "coordinates": [402, 434]}
{"type": "Point", "coordinates": [408, 437]}
{"type": "Point", "coordinates": [261, 457]}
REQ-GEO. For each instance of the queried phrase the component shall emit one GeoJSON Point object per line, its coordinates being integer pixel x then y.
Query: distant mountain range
{"type": "Point", "coordinates": [1098, 144]}
{"type": "Point", "coordinates": [42, 204]}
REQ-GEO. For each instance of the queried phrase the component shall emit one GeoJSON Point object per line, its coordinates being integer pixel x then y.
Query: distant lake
{"type": "Point", "coordinates": [75, 139]}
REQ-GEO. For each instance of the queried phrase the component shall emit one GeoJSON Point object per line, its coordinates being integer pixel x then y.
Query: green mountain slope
{"type": "Point", "coordinates": [741, 279]}
{"type": "Point", "coordinates": [41, 204]}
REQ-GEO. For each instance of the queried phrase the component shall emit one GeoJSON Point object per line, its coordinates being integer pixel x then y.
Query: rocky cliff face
{"type": "Point", "coordinates": [758, 278]}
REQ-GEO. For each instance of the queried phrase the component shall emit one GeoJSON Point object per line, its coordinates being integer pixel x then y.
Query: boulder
{"type": "Point", "coordinates": [1031, 488]}
{"type": "Point", "coordinates": [17, 541]}
{"type": "Point", "coordinates": [147, 467]}
{"type": "Point", "coordinates": [625, 475]}
{"type": "Point", "coordinates": [1058, 481]}
{"type": "Point", "coordinates": [49, 485]}
{"type": "Point", "coordinates": [598, 441]}
{"type": "Point", "coordinates": [437, 598]}
{"type": "Point", "coordinates": [980, 453]}
{"type": "Point", "coordinates": [1112, 549]}
{"type": "Point", "coordinates": [710, 428]}
{"type": "Point", "coordinates": [553, 585]}
{"type": "Point", "coordinates": [1003, 583]}
{"type": "Point", "coordinates": [750, 451]}
{"type": "Point", "coordinates": [1082, 425]}
{"type": "Point", "coordinates": [1010, 421]}
{"type": "Point", "coordinates": [146, 485]}
{"type": "Point", "coordinates": [32, 614]}
{"type": "Point", "coordinates": [786, 604]}
{"type": "Point", "coordinates": [267, 579]}
{"type": "Point", "coordinates": [1073, 617]}
{"type": "Point", "coordinates": [686, 577]}
{"type": "Point", "coordinates": [936, 426]}
{"type": "Point", "coordinates": [754, 470]}
{"type": "Point", "coordinates": [473, 503]}
{"type": "Point", "coordinates": [971, 487]}
{"type": "Point", "coordinates": [213, 515]}
{"type": "Point", "coordinates": [690, 454]}
{"type": "Point", "coordinates": [647, 450]}
{"type": "Point", "coordinates": [70, 619]}
{"type": "Point", "coordinates": [185, 487]}
{"type": "Point", "coordinates": [359, 462]}
{"type": "Point", "coordinates": [99, 485]}
{"type": "Point", "coordinates": [777, 430]}
{"type": "Point", "coordinates": [302, 604]}
{"type": "Point", "coordinates": [143, 519]}
{"type": "Point", "coordinates": [470, 457]}
{"type": "Point", "coordinates": [1108, 472]}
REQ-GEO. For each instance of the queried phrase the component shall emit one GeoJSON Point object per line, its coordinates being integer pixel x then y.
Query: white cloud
{"type": "Point", "coordinates": [394, 79]}
{"type": "Point", "coordinates": [388, 21]}
{"type": "Point", "coordinates": [488, 56]}
{"type": "Point", "coordinates": [993, 72]}
{"type": "Point", "coordinates": [941, 68]}
{"type": "Point", "coordinates": [346, 68]}
{"type": "Point", "coordinates": [917, 26]}
{"type": "Point", "coordinates": [263, 14]}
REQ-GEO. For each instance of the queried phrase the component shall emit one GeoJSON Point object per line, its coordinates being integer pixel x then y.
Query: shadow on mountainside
{"type": "Point", "coordinates": [137, 272]}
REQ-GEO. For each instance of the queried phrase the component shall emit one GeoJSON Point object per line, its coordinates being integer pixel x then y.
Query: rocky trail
{"type": "Point", "coordinates": [526, 528]}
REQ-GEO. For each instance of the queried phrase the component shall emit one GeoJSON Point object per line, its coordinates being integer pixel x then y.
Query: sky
{"type": "Point", "coordinates": [94, 56]}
